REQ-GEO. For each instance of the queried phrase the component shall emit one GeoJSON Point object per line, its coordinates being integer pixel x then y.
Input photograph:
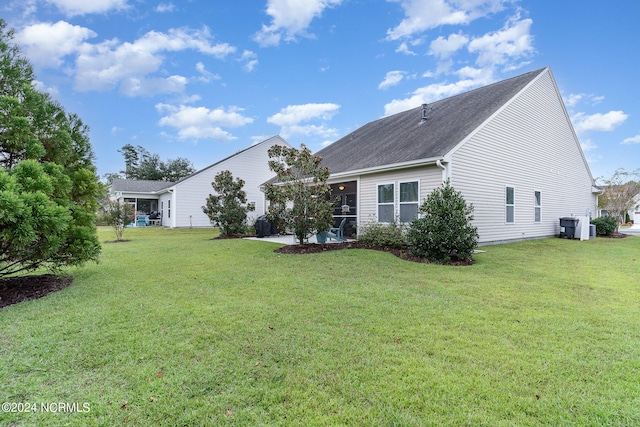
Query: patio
{"type": "Point", "coordinates": [288, 239]}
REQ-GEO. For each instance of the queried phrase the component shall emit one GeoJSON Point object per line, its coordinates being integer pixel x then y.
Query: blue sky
{"type": "Point", "coordinates": [203, 79]}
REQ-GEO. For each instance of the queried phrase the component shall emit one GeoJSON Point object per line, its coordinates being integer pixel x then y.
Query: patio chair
{"type": "Point", "coordinates": [337, 233]}
{"type": "Point", "coordinates": [142, 221]}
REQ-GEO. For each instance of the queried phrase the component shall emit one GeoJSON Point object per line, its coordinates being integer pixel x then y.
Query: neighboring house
{"type": "Point", "coordinates": [508, 147]}
{"type": "Point", "coordinates": [634, 214]}
{"type": "Point", "coordinates": [179, 204]}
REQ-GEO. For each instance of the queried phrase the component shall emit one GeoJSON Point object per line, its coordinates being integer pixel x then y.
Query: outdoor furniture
{"type": "Point", "coordinates": [142, 221]}
{"type": "Point", "coordinates": [337, 233]}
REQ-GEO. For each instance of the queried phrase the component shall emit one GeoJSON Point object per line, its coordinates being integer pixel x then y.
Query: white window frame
{"type": "Point", "coordinates": [400, 202]}
{"type": "Point", "coordinates": [537, 206]}
{"type": "Point", "coordinates": [378, 204]}
{"type": "Point", "coordinates": [509, 205]}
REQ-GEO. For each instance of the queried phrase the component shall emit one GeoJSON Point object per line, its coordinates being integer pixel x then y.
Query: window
{"type": "Point", "coordinates": [386, 199]}
{"type": "Point", "coordinates": [510, 204]}
{"type": "Point", "coordinates": [408, 201]}
{"type": "Point", "coordinates": [537, 206]}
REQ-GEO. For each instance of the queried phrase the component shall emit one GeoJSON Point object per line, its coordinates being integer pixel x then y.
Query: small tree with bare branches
{"type": "Point", "coordinates": [620, 191]}
{"type": "Point", "coordinates": [117, 215]}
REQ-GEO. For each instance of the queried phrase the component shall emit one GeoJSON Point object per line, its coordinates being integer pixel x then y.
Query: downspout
{"type": "Point", "coordinates": [444, 168]}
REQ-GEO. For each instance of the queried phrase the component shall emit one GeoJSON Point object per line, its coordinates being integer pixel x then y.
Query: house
{"type": "Point", "coordinates": [179, 204]}
{"type": "Point", "coordinates": [508, 147]}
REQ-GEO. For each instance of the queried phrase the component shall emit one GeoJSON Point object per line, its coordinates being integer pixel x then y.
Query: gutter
{"type": "Point", "coordinates": [386, 168]}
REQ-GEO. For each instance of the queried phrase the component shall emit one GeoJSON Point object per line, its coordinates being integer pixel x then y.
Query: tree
{"type": "Point", "coordinates": [227, 209]}
{"type": "Point", "coordinates": [117, 215]}
{"type": "Point", "coordinates": [444, 230]}
{"type": "Point", "coordinates": [140, 164]}
{"type": "Point", "coordinates": [48, 185]}
{"type": "Point", "coordinates": [620, 191]}
{"type": "Point", "coordinates": [300, 199]}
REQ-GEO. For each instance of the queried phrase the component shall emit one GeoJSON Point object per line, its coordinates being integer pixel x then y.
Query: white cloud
{"type": "Point", "coordinates": [391, 79]}
{"type": "Point", "coordinates": [290, 19]}
{"type": "Point", "coordinates": [404, 48]}
{"type": "Point", "coordinates": [205, 75]}
{"type": "Point", "coordinates": [588, 145]}
{"type": "Point", "coordinates": [290, 119]}
{"type": "Point", "coordinates": [444, 48]}
{"type": "Point", "coordinates": [632, 140]}
{"type": "Point", "coordinates": [250, 60]}
{"type": "Point", "coordinates": [575, 99]}
{"type": "Point", "coordinates": [423, 15]}
{"type": "Point", "coordinates": [165, 8]}
{"type": "Point", "coordinates": [598, 122]}
{"type": "Point", "coordinates": [201, 122]}
{"type": "Point", "coordinates": [147, 87]}
{"type": "Point", "coordinates": [41, 87]}
{"type": "Point", "coordinates": [84, 7]}
{"type": "Point", "coordinates": [112, 64]}
{"type": "Point", "coordinates": [47, 44]}
{"type": "Point", "coordinates": [470, 78]}
{"type": "Point", "coordinates": [512, 42]}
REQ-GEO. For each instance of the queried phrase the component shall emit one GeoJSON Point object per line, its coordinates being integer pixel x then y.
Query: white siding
{"type": "Point", "coordinates": [250, 165]}
{"type": "Point", "coordinates": [529, 145]}
{"type": "Point", "coordinates": [163, 205]}
{"type": "Point", "coordinates": [429, 177]}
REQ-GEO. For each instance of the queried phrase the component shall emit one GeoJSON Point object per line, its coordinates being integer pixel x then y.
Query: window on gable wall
{"type": "Point", "coordinates": [537, 206]}
{"type": "Point", "coordinates": [386, 201]}
{"type": "Point", "coordinates": [510, 205]}
{"type": "Point", "coordinates": [408, 201]}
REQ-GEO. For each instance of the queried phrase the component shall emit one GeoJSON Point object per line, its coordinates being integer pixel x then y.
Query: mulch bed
{"type": "Point", "coordinates": [313, 248]}
{"type": "Point", "coordinates": [614, 236]}
{"type": "Point", "coordinates": [17, 289]}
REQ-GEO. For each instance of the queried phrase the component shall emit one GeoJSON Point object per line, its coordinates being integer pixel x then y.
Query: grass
{"type": "Point", "coordinates": [174, 329]}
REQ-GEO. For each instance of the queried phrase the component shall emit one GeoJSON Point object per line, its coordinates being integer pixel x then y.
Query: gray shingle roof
{"type": "Point", "coordinates": [403, 137]}
{"type": "Point", "coordinates": [139, 185]}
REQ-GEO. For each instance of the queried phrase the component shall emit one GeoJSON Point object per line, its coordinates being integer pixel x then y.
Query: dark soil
{"type": "Point", "coordinates": [232, 236]}
{"type": "Point", "coordinates": [405, 254]}
{"type": "Point", "coordinates": [18, 289]}
{"type": "Point", "coordinates": [613, 236]}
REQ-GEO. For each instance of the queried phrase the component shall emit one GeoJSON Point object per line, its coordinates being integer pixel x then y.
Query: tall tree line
{"type": "Point", "coordinates": [140, 164]}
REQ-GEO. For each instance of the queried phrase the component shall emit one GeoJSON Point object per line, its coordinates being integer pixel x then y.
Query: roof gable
{"type": "Point", "coordinates": [274, 139]}
{"type": "Point", "coordinates": [138, 185]}
{"type": "Point", "coordinates": [404, 137]}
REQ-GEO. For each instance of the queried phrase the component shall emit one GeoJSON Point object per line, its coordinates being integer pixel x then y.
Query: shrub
{"type": "Point", "coordinates": [605, 225]}
{"type": "Point", "coordinates": [444, 231]}
{"type": "Point", "coordinates": [228, 207]}
{"type": "Point", "coordinates": [377, 234]}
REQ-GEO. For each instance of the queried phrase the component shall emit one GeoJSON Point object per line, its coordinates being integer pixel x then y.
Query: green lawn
{"type": "Point", "coordinates": [175, 329]}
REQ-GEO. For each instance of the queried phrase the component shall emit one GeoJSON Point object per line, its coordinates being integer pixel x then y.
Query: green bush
{"type": "Point", "coordinates": [228, 208]}
{"type": "Point", "coordinates": [605, 225]}
{"type": "Point", "coordinates": [377, 234]}
{"type": "Point", "coordinates": [444, 231]}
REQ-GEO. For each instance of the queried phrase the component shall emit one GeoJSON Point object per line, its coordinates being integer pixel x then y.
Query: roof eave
{"type": "Point", "coordinates": [385, 168]}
